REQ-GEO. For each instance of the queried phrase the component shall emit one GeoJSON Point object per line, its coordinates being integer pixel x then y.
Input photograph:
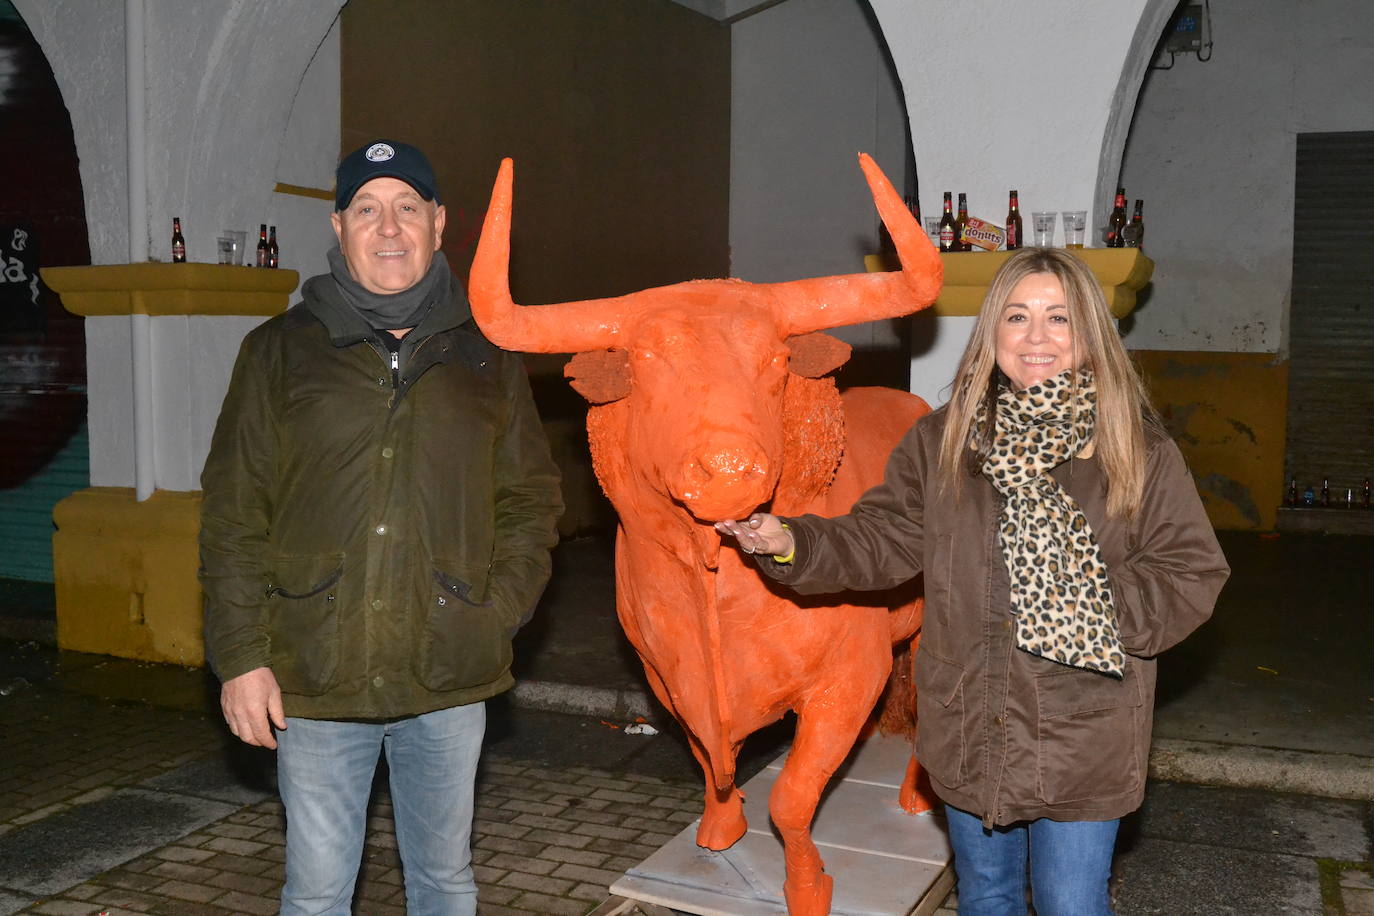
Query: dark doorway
{"type": "Point", "coordinates": [1331, 321]}
{"type": "Point", "coordinates": [42, 347]}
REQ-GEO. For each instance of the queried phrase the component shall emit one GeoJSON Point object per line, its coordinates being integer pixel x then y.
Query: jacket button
{"type": "Point", "coordinates": [377, 681]}
{"type": "Point", "coordinates": [381, 382]}
{"type": "Point", "coordinates": [1006, 624]}
{"type": "Point", "coordinates": [388, 452]}
{"type": "Point", "coordinates": [380, 529]}
{"type": "Point", "coordinates": [998, 720]}
{"type": "Point", "coordinates": [376, 604]}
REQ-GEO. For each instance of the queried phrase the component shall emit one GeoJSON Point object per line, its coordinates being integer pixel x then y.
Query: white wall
{"type": "Point", "coordinates": [1212, 153]}
{"type": "Point", "coordinates": [810, 89]}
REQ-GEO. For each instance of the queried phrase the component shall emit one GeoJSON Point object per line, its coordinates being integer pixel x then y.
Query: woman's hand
{"type": "Point", "coordinates": [760, 533]}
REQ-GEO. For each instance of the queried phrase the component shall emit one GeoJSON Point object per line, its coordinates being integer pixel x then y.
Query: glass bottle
{"type": "Point", "coordinates": [178, 242]}
{"type": "Point", "coordinates": [1117, 221]}
{"type": "Point", "coordinates": [1013, 223]}
{"type": "Point", "coordinates": [948, 234]}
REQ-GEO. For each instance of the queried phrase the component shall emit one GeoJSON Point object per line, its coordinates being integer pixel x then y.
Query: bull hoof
{"type": "Point", "coordinates": [722, 830]}
{"type": "Point", "coordinates": [914, 801]}
{"type": "Point", "coordinates": [916, 796]}
{"type": "Point", "coordinates": [811, 898]}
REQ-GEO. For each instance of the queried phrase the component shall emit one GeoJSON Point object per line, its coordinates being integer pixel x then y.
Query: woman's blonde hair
{"type": "Point", "coordinates": [1123, 405]}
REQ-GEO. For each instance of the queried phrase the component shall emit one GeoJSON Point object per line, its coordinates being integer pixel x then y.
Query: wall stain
{"type": "Point", "coordinates": [1233, 492]}
{"type": "Point", "coordinates": [1243, 429]}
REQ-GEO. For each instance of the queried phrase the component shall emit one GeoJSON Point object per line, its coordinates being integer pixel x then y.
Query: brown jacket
{"type": "Point", "coordinates": [1004, 734]}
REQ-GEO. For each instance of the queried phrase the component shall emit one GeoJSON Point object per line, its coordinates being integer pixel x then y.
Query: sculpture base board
{"type": "Point", "coordinates": [885, 862]}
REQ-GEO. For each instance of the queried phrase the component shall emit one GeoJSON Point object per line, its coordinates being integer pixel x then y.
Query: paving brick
{"type": "Point", "coordinates": [559, 838]}
{"type": "Point", "coordinates": [236, 831]}
{"type": "Point", "coordinates": [573, 872]}
{"type": "Point", "coordinates": [247, 884]}
{"type": "Point", "coordinates": [63, 908]}
{"type": "Point", "coordinates": [182, 871]}
{"type": "Point", "coordinates": [594, 893]}
{"type": "Point", "coordinates": [184, 890]}
{"type": "Point", "coordinates": [233, 846]}
{"type": "Point", "coordinates": [529, 807]}
{"type": "Point", "coordinates": [606, 832]}
{"type": "Point", "coordinates": [134, 881]}
{"type": "Point", "coordinates": [545, 822]}
{"type": "Point", "coordinates": [550, 906]}
{"type": "Point", "coordinates": [527, 864]}
{"type": "Point", "coordinates": [505, 844]}
{"type": "Point", "coordinates": [542, 884]}
{"type": "Point", "coordinates": [244, 865]}
{"type": "Point", "coordinates": [575, 856]}
{"type": "Point", "coordinates": [183, 854]}
{"type": "Point", "coordinates": [499, 828]}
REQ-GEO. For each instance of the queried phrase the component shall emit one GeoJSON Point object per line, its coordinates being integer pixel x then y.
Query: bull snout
{"type": "Point", "coordinates": [725, 480]}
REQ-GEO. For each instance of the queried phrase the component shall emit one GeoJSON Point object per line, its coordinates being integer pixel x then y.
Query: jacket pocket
{"type": "Point", "coordinates": [940, 743]}
{"type": "Point", "coordinates": [1088, 729]}
{"type": "Point", "coordinates": [464, 642]}
{"type": "Point", "coordinates": [303, 605]}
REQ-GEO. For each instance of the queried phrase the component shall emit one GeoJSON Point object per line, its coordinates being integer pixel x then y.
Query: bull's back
{"type": "Point", "coordinates": [875, 420]}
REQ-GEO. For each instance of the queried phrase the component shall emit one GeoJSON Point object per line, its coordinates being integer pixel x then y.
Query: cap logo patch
{"type": "Point", "coordinates": [380, 152]}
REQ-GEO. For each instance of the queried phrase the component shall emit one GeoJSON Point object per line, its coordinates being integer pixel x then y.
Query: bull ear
{"type": "Point", "coordinates": [815, 354]}
{"type": "Point", "coordinates": [600, 376]}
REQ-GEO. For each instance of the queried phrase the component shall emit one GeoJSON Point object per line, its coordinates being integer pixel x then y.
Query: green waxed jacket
{"type": "Point", "coordinates": [375, 537]}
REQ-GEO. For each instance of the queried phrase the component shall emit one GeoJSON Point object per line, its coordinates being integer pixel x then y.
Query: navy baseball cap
{"type": "Point", "coordinates": [383, 159]}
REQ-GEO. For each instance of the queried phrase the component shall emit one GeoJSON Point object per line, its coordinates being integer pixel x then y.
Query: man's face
{"type": "Point", "coordinates": [388, 235]}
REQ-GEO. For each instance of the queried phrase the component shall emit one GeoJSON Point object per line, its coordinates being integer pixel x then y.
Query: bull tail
{"type": "Point", "coordinates": [897, 711]}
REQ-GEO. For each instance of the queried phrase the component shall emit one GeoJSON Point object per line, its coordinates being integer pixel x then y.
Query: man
{"type": "Point", "coordinates": [379, 508]}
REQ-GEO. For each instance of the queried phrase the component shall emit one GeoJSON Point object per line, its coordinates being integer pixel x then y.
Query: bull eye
{"type": "Point", "coordinates": [780, 360]}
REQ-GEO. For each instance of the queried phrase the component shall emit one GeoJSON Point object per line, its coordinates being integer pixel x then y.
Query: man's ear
{"type": "Point", "coordinates": [336, 220]}
{"type": "Point", "coordinates": [440, 220]}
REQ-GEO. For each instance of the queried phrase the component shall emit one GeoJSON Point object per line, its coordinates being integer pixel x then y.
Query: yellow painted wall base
{"type": "Point", "coordinates": [125, 575]}
{"type": "Point", "coordinates": [1229, 414]}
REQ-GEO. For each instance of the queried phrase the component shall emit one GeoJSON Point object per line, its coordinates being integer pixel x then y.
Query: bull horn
{"type": "Point", "coordinates": [831, 302]}
{"type": "Point", "coordinates": [569, 327]}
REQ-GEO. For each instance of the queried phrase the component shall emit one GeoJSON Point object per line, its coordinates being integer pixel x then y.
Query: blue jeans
{"type": "Point", "coordinates": [1070, 863]}
{"type": "Point", "coordinates": [324, 773]}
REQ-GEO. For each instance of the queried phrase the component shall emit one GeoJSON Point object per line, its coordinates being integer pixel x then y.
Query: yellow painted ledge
{"type": "Point", "coordinates": [1123, 272]}
{"type": "Point", "coordinates": [125, 574]}
{"type": "Point", "coordinates": [171, 289]}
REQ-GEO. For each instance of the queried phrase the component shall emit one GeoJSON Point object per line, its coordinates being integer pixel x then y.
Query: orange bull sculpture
{"type": "Point", "coordinates": [710, 403]}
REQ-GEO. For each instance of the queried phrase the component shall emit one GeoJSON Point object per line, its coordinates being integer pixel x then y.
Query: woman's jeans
{"type": "Point", "coordinates": [1070, 862]}
{"type": "Point", "coordinates": [324, 772]}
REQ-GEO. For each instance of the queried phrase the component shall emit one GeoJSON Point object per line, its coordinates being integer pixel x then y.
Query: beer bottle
{"type": "Point", "coordinates": [1366, 492]}
{"type": "Point", "coordinates": [948, 236]}
{"type": "Point", "coordinates": [1117, 221]}
{"type": "Point", "coordinates": [1326, 493]}
{"type": "Point", "coordinates": [273, 254]}
{"type": "Point", "coordinates": [262, 244]}
{"type": "Point", "coordinates": [1135, 232]}
{"type": "Point", "coordinates": [1013, 224]}
{"type": "Point", "coordinates": [959, 223]}
{"type": "Point", "coordinates": [1292, 491]}
{"type": "Point", "coordinates": [178, 243]}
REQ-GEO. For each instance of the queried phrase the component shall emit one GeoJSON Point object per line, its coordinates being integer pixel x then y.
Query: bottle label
{"type": "Point", "coordinates": [946, 237]}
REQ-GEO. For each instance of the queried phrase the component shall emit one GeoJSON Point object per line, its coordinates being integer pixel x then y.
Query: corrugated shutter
{"type": "Point", "coordinates": [1331, 321]}
{"type": "Point", "coordinates": [26, 511]}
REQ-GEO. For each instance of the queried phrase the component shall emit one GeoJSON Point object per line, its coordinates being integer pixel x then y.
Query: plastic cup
{"type": "Point", "coordinates": [236, 239]}
{"type": "Point", "coordinates": [933, 229]}
{"type": "Point", "coordinates": [1075, 222]}
{"type": "Point", "coordinates": [1042, 226]}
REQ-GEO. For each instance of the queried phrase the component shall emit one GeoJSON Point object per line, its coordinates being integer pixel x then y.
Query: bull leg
{"type": "Point", "coordinates": [722, 818]}
{"type": "Point", "coordinates": [916, 795]}
{"type": "Point", "coordinates": [821, 744]}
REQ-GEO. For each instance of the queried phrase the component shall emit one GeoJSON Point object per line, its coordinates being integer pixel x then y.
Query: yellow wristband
{"type": "Point", "coordinates": [791, 554]}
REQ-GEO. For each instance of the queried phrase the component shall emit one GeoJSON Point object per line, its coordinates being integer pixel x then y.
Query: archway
{"type": "Point", "coordinates": [42, 347]}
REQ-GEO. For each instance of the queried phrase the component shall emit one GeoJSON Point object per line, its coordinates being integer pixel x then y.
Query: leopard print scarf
{"type": "Point", "coordinates": [1060, 594]}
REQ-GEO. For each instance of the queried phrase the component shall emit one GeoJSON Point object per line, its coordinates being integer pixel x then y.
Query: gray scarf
{"type": "Point", "coordinates": [396, 310]}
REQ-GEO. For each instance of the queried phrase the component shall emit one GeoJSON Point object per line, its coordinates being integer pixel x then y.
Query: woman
{"type": "Point", "coordinates": [1064, 546]}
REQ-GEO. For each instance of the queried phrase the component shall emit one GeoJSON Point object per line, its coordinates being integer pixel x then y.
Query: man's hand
{"type": "Point", "coordinates": [248, 701]}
